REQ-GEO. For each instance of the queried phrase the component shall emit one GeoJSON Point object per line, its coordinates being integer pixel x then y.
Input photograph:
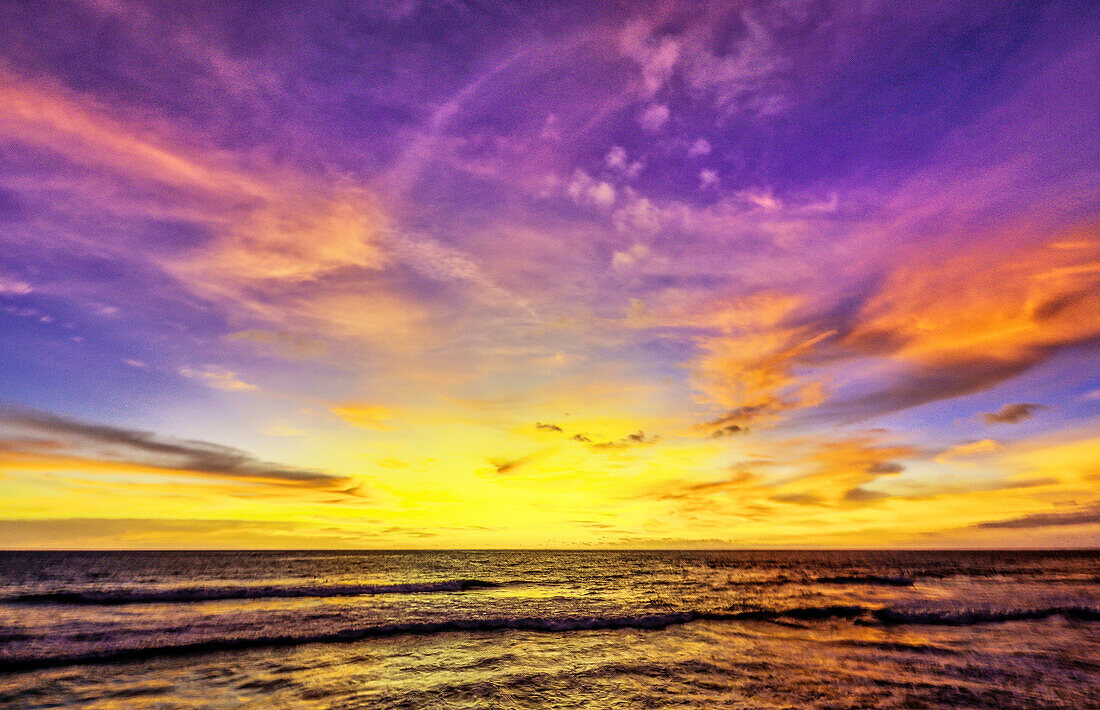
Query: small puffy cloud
{"type": "Point", "coordinates": [619, 162]}
{"type": "Point", "coordinates": [548, 427]}
{"type": "Point", "coordinates": [587, 191]}
{"type": "Point", "coordinates": [638, 214]}
{"type": "Point", "coordinates": [708, 178]}
{"type": "Point", "coordinates": [11, 287]}
{"type": "Point", "coordinates": [1012, 413]}
{"type": "Point", "coordinates": [218, 378]}
{"type": "Point", "coordinates": [628, 258]}
{"type": "Point", "coordinates": [654, 117]}
{"type": "Point", "coordinates": [699, 148]}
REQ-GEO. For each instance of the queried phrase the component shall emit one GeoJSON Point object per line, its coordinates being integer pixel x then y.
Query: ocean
{"type": "Point", "coordinates": [541, 629]}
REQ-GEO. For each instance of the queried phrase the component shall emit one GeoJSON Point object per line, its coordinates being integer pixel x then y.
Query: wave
{"type": "Point", "coordinates": [970, 617]}
{"type": "Point", "coordinates": [16, 663]}
{"type": "Point", "coordinates": [202, 594]}
{"type": "Point", "coordinates": [13, 663]}
{"type": "Point", "coordinates": [864, 579]}
{"type": "Point", "coordinates": [871, 579]}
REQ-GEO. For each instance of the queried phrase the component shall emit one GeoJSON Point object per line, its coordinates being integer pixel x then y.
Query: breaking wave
{"type": "Point", "coordinates": [969, 617]}
{"type": "Point", "coordinates": [14, 662]}
{"type": "Point", "coordinates": [202, 594]}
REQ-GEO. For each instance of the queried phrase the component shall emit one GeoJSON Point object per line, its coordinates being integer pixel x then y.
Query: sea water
{"type": "Point", "coordinates": [539, 629]}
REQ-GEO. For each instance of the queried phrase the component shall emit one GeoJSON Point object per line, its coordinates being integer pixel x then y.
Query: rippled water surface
{"type": "Point", "coordinates": [550, 629]}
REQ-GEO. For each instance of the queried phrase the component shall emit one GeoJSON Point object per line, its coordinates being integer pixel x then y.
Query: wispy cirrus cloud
{"type": "Point", "coordinates": [272, 245]}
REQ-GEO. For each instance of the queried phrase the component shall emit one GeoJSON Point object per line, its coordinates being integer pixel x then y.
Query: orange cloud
{"type": "Point", "coordinates": [1010, 308]}
{"type": "Point", "coordinates": [837, 470]}
{"type": "Point", "coordinates": [968, 450]}
{"type": "Point", "coordinates": [366, 416]}
{"type": "Point", "coordinates": [749, 352]}
{"type": "Point", "coordinates": [927, 331]}
{"type": "Point", "coordinates": [279, 245]}
{"type": "Point", "coordinates": [73, 126]}
{"type": "Point", "coordinates": [295, 239]}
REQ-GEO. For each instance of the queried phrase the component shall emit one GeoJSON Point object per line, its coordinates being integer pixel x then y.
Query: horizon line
{"type": "Point", "coordinates": [1095, 549]}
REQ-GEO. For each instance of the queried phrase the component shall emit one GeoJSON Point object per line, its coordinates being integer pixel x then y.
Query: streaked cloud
{"type": "Point", "coordinates": [37, 440]}
{"type": "Point", "coordinates": [1081, 516]}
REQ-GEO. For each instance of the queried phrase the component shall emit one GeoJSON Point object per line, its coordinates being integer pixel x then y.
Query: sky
{"type": "Point", "coordinates": [483, 274]}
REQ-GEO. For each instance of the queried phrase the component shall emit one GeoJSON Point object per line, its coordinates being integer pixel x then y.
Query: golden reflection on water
{"type": "Point", "coordinates": [464, 649]}
{"type": "Point", "coordinates": [704, 664]}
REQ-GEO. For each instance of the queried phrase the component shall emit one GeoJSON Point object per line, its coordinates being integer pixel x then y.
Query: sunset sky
{"type": "Point", "coordinates": [549, 274]}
